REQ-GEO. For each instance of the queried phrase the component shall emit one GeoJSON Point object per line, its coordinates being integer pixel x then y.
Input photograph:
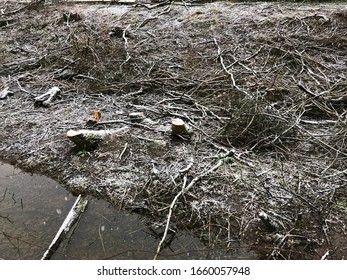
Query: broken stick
{"type": "Point", "coordinates": [47, 98]}
{"type": "Point", "coordinates": [71, 218]}
{"type": "Point", "coordinates": [4, 93]}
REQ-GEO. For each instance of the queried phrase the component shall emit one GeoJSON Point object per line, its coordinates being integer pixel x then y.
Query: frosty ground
{"type": "Point", "coordinates": [262, 86]}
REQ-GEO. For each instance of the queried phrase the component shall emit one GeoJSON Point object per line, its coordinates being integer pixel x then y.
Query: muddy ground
{"type": "Point", "coordinates": [262, 86]}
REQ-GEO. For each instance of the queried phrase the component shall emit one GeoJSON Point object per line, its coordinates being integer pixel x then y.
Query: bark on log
{"type": "Point", "coordinates": [137, 117]}
{"type": "Point", "coordinates": [86, 139]}
{"type": "Point", "coordinates": [71, 218]}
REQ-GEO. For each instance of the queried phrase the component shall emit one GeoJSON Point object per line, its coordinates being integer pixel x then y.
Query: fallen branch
{"type": "Point", "coordinates": [47, 98]}
{"type": "Point", "coordinates": [324, 257]}
{"type": "Point", "coordinates": [71, 218]}
{"type": "Point", "coordinates": [186, 188]}
{"type": "Point", "coordinates": [126, 46]}
{"type": "Point", "coordinates": [6, 21]}
{"type": "Point", "coordinates": [152, 6]}
{"type": "Point", "coordinates": [137, 117]}
{"type": "Point", "coordinates": [30, 5]}
{"type": "Point", "coordinates": [4, 93]}
{"type": "Point", "coordinates": [7, 218]}
{"type": "Point", "coordinates": [228, 71]}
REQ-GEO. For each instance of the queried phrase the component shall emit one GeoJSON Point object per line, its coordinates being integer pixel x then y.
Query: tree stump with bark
{"type": "Point", "coordinates": [180, 128]}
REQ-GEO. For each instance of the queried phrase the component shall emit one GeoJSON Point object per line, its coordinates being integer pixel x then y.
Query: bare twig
{"type": "Point", "coordinates": [228, 71]}
{"type": "Point", "coordinates": [186, 188]}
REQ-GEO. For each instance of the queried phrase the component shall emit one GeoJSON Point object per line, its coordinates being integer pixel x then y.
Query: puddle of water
{"type": "Point", "coordinates": [107, 233]}
{"type": "Point", "coordinates": [32, 209]}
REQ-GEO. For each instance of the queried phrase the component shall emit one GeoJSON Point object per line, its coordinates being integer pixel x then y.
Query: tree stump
{"type": "Point", "coordinates": [180, 128]}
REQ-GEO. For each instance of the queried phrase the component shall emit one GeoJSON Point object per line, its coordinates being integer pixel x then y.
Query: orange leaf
{"type": "Point", "coordinates": [97, 116]}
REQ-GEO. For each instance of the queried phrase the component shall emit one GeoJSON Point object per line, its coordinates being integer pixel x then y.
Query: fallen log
{"type": "Point", "coordinates": [136, 117]}
{"type": "Point", "coordinates": [86, 139]}
{"type": "Point", "coordinates": [71, 218]}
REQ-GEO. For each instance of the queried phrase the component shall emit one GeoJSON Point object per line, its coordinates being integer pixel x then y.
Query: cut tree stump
{"type": "Point", "coordinates": [180, 128]}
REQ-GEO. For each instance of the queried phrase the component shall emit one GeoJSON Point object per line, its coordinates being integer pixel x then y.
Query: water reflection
{"type": "Point", "coordinates": [32, 208]}
{"type": "Point", "coordinates": [28, 216]}
{"type": "Point", "coordinates": [106, 233]}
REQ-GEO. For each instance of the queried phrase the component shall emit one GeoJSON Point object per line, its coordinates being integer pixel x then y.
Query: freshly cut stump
{"type": "Point", "coordinates": [180, 128]}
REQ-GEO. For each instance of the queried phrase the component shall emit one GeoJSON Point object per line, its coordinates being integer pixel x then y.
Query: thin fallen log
{"type": "Point", "coordinates": [86, 139]}
{"type": "Point", "coordinates": [71, 218]}
{"type": "Point", "coordinates": [21, 65]}
{"type": "Point", "coordinates": [136, 117]}
{"type": "Point", "coordinates": [47, 98]}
